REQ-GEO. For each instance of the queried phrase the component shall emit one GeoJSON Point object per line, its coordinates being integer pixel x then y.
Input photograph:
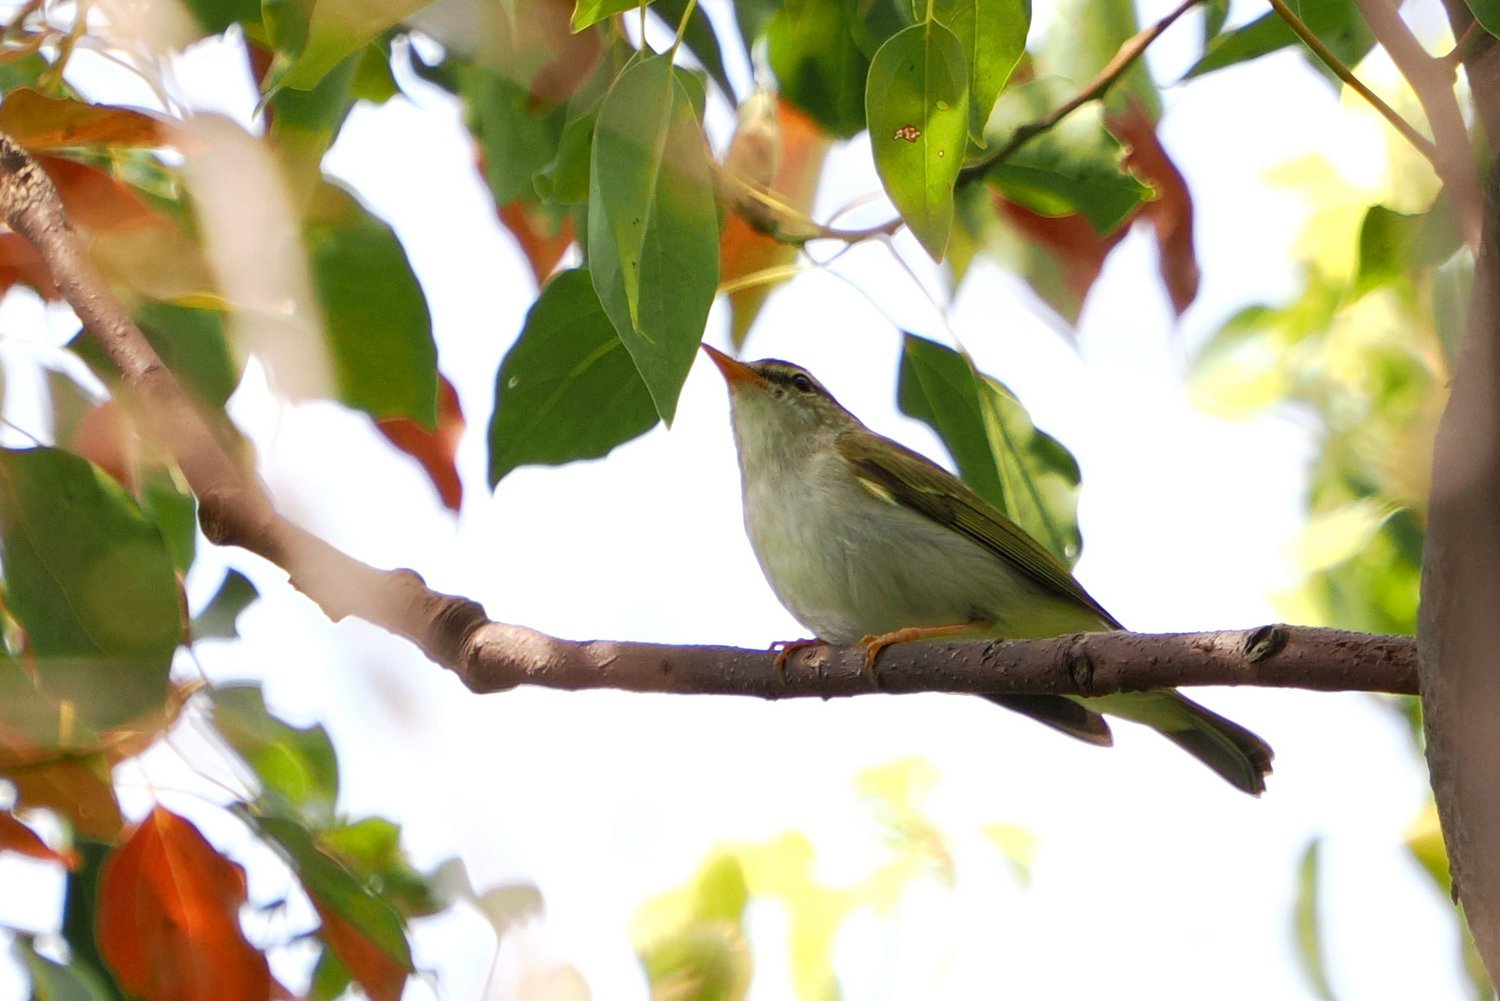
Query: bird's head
{"type": "Point", "coordinates": [779, 402]}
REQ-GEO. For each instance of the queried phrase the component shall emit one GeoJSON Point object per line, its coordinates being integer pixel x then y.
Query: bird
{"type": "Point", "coordinates": [866, 541]}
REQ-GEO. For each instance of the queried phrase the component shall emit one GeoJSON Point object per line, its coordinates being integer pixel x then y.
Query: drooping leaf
{"type": "Point", "coordinates": [337, 30]}
{"type": "Point", "coordinates": [168, 920]}
{"type": "Point", "coordinates": [89, 577]}
{"type": "Point", "coordinates": [1309, 928]}
{"type": "Point", "coordinates": [818, 62]}
{"type": "Point", "coordinates": [17, 837]}
{"type": "Point", "coordinates": [40, 121]}
{"type": "Point", "coordinates": [744, 250]}
{"type": "Point", "coordinates": [437, 449]}
{"type": "Point", "coordinates": [374, 312]}
{"type": "Point", "coordinates": [917, 104]}
{"type": "Point", "coordinates": [1170, 212]}
{"type": "Point", "coordinates": [366, 919]}
{"type": "Point", "coordinates": [1024, 472]}
{"type": "Point", "coordinates": [219, 617]}
{"type": "Point", "coordinates": [567, 389]}
{"type": "Point", "coordinates": [993, 36]}
{"type": "Point", "coordinates": [297, 764]}
{"type": "Point", "coordinates": [653, 225]}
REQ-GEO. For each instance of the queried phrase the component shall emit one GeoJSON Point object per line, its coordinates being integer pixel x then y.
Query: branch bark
{"type": "Point", "coordinates": [235, 509]}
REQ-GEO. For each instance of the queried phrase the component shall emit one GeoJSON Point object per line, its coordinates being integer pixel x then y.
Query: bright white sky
{"type": "Point", "coordinates": [1153, 878]}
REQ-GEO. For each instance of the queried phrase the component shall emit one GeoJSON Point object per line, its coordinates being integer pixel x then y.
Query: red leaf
{"type": "Point", "coordinates": [169, 918]}
{"type": "Point", "coordinates": [542, 245]}
{"type": "Point", "coordinates": [40, 121]}
{"type": "Point", "coordinates": [20, 264]}
{"type": "Point", "coordinates": [377, 971]}
{"type": "Point", "coordinates": [17, 837]}
{"type": "Point", "coordinates": [105, 438]}
{"type": "Point", "coordinates": [1071, 240]}
{"type": "Point", "coordinates": [434, 449]}
{"type": "Point", "coordinates": [1171, 212]}
{"type": "Point", "coordinates": [78, 788]}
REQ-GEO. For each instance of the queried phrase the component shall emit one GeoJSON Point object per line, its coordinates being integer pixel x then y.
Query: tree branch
{"type": "Point", "coordinates": [235, 509]}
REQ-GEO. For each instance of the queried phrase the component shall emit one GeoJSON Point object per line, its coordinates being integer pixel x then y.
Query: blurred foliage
{"type": "Point", "coordinates": [693, 942]}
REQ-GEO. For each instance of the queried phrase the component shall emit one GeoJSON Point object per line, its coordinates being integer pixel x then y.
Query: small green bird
{"type": "Point", "coordinates": [865, 541]}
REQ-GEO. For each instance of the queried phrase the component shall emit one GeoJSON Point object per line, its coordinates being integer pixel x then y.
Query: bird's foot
{"type": "Point", "coordinates": [785, 649]}
{"type": "Point", "coordinates": [875, 644]}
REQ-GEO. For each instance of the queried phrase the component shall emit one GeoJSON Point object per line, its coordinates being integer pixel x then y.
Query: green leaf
{"type": "Point", "coordinates": [219, 617]}
{"type": "Point", "coordinates": [372, 848]}
{"type": "Point", "coordinates": [993, 36]}
{"type": "Point", "coordinates": [700, 39]}
{"type": "Point", "coordinates": [516, 139]}
{"type": "Point", "coordinates": [215, 16]}
{"type": "Point", "coordinates": [1394, 245]}
{"type": "Point", "coordinates": [174, 510]}
{"type": "Point", "coordinates": [1487, 13]}
{"type": "Point", "coordinates": [1024, 472]}
{"type": "Point", "coordinates": [589, 12]}
{"type": "Point", "coordinates": [88, 576]}
{"type": "Point", "coordinates": [338, 30]}
{"type": "Point", "coordinates": [653, 232]}
{"type": "Point", "coordinates": [1337, 23]}
{"type": "Point", "coordinates": [191, 343]}
{"type": "Point", "coordinates": [1309, 932]}
{"type": "Point", "coordinates": [566, 178]}
{"type": "Point", "coordinates": [374, 313]}
{"type": "Point", "coordinates": [297, 764]}
{"type": "Point", "coordinates": [567, 388]}
{"type": "Point", "coordinates": [819, 63]}
{"type": "Point", "coordinates": [917, 103]}
{"type": "Point", "coordinates": [1073, 167]}
{"type": "Point", "coordinates": [331, 882]}
{"type": "Point", "coordinates": [1087, 38]}
{"type": "Point", "coordinates": [54, 982]}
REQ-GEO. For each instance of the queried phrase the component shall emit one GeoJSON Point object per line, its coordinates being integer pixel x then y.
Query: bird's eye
{"type": "Point", "coordinates": [802, 383]}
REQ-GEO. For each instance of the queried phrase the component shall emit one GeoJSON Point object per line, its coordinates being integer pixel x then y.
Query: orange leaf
{"type": "Point", "coordinates": [17, 837]}
{"type": "Point", "coordinates": [436, 450]}
{"type": "Point", "coordinates": [78, 787]}
{"type": "Point", "coordinates": [168, 922]}
{"type": "Point", "coordinates": [745, 250]}
{"type": "Point", "coordinates": [1171, 212]}
{"type": "Point", "coordinates": [106, 438]}
{"type": "Point", "coordinates": [20, 264]}
{"type": "Point", "coordinates": [542, 245]}
{"type": "Point", "coordinates": [377, 971]}
{"type": "Point", "coordinates": [40, 121]}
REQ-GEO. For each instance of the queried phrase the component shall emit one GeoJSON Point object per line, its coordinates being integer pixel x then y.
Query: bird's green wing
{"type": "Point", "coordinates": [900, 476]}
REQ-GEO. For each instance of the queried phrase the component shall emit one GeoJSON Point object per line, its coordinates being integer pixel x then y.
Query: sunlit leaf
{"type": "Point", "coordinates": [917, 102]}
{"type": "Point", "coordinates": [993, 36]}
{"type": "Point", "coordinates": [338, 29]}
{"type": "Point", "coordinates": [1024, 472]}
{"type": "Point", "coordinates": [653, 225]}
{"type": "Point", "coordinates": [220, 615]}
{"type": "Point", "coordinates": [40, 121]}
{"type": "Point", "coordinates": [296, 763]}
{"type": "Point", "coordinates": [1331, 537]}
{"type": "Point", "coordinates": [372, 848]}
{"type": "Point", "coordinates": [374, 312]}
{"type": "Point", "coordinates": [437, 449]}
{"type": "Point", "coordinates": [168, 919]}
{"type": "Point", "coordinates": [1088, 37]}
{"type": "Point", "coordinates": [589, 12]}
{"type": "Point", "coordinates": [89, 577]}
{"type": "Point", "coordinates": [1308, 925]}
{"type": "Point", "coordinates": [692, 942]}
{"type": "Point", "coordinates": [1017, 843]}
{"type": "Point", "coordinates": [381, 974]}
{"type": "Point", "coordinates": [567, 388]}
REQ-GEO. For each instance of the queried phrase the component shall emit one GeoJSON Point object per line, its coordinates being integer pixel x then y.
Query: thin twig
{"type": "Point", "coordinates": [1452, 154]}
{"type": "Point", "coordinates": [1325, 55]}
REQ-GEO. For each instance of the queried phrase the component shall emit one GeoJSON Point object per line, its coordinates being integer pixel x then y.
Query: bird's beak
{"type": "Point", "coordinates": [734, 372]}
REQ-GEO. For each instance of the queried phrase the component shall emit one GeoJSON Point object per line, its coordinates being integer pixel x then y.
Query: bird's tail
{"type": "Point", "coordinates": [1242, 758]}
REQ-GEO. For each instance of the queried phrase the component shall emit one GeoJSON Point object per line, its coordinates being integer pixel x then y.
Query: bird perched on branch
{"type": "Point", "coordinates": [865, 541]}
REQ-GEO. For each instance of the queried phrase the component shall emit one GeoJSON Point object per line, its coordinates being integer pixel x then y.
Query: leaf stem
{"type": "Point", "coordinates": [687, 14]}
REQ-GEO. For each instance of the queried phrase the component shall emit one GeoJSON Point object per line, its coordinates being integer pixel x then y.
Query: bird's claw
{"type": "Point", "coordinates": [784, 650]}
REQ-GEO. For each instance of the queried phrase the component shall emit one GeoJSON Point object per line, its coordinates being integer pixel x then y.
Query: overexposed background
{"type": "Point", "coordinates": [1152, 878]}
